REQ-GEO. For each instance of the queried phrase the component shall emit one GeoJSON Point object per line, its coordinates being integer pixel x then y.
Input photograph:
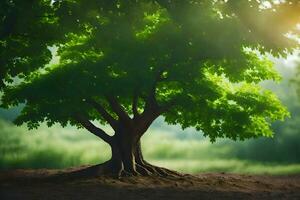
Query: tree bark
{"type": "Point", "coordinates": [127, 157]}
{"type": "Point", "coordinates": [123, 147]}
{"type": "Point", "coordinates": [126, 160]}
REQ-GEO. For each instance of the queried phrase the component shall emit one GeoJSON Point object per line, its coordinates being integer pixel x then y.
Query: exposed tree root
{"type": "Point", "coordinates": [157, 171]}
{"type": "Point", "coordinates": [111, 169]}
{"type": "Point", "coordinates": [143, 170]}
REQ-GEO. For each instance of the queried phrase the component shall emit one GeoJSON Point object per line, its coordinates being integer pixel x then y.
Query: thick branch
{"type": "Point", "coordinates": [152, 112]}
{"type": "Point", "coordinates": [117, 108]}
{"type": "Point", "coordinates": [112, 122]}
{"type": "Point", "coordinates": [152, 108]}
{"type": "Point", "coordinates": [151, 103]}
{"type": "Point", "coordinates": [146, 120]}
{"type": "Point", "coordinates": [93, 129]}
{"type": "Point", "coordinates": [135, 105]}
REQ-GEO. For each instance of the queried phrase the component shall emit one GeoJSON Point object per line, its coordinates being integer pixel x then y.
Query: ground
{"type": "Point", "coordinates": [52, 184]}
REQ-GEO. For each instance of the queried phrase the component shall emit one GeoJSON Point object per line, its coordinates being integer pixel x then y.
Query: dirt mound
{"type": "Point", "coordinates": [52, 184]}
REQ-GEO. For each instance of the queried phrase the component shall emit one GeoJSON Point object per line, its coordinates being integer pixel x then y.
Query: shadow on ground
{"type": "Point", "coordinates": [49, 184]}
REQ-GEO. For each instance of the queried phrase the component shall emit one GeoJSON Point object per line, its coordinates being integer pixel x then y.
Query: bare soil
{"type": "Point", "coordinates": [54, 184]}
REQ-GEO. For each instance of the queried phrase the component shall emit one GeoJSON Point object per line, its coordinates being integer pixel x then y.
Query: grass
{"type": "Point", "coordinates": [229, 165]}
{"type": "Point", "coordinates": [48, 147]}
{"type": "Point", "coordinates": [58, 147]}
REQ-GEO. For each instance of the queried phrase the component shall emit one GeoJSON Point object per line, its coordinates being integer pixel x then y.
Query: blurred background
{"type": "Point", "coordinates": [165, 145]}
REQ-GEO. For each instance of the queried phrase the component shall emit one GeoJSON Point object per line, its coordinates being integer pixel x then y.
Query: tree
{"type": "Point", "coordinates": [125, 63]}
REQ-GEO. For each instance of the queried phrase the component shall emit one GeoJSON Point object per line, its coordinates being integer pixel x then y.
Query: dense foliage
{"type": "Point", "coordinates": [198, 63]}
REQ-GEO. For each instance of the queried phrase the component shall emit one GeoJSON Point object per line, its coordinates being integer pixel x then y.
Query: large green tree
{"type": "Point", "coordinates": [124, 63]}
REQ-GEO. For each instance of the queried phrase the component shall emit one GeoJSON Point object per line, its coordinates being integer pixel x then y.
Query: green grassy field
{"type": "Point", "coordinates": [60, 148]}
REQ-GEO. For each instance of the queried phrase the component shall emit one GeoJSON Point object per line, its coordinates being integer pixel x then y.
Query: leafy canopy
{"type": "Point", "coordinates": [202, 59]}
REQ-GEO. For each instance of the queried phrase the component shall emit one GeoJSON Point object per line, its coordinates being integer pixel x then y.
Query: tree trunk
{"type": "Point", "coordinates": [123, 148]}
{"type": "Point", "coordinates": [127, 159]}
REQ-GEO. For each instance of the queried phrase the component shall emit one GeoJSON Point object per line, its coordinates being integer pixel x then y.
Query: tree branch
{"type": "Point", "coordinates": [117, 108]}
{"type": "Point", "coordinates": [135, 105]}
{"type": "Point", "coordinates": [93, 129]}
{"type": "Point", "coordinates": [151, 100]}
{"type": "Point", "coordinates": [112, 122]}
{"type": "Point", "coordinates": [145, 120]}
{"type": "Point", "coordinates": [149, 115]}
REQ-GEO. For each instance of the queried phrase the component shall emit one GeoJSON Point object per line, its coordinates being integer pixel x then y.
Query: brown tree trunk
{"type": "Point", "coordinates": [123, 148]}
{"type": "Point", "coordinates": [127, 158]}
